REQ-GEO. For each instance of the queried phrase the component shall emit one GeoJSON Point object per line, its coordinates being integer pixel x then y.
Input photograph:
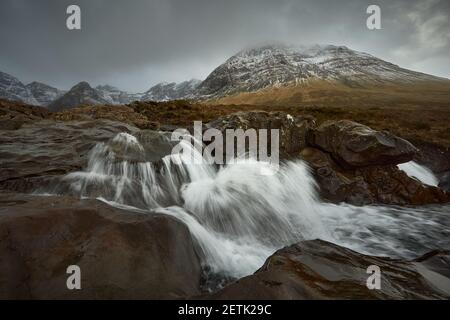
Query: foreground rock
{"type": "Point", "coordinates": [122, 254]}
{"type": "Point", "coordinates": [354, 145]}
{"type": "Point", "coordinates": [321, 270]}
{"type": "Point", "coordinates": [33, 155]}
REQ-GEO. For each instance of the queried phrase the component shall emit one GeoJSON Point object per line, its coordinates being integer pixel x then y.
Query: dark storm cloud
{"type": "Point", "coordinates": [134, 44]}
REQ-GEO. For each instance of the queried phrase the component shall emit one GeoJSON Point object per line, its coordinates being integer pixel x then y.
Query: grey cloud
{"type": "Point", "coordinates": [134, 44]}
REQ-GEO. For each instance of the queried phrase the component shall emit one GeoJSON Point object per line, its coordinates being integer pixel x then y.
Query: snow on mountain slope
{"type": "Point", "coordinates": [43, 93]}
{"type": "Point", "coordinates": [12, 89]}
{"type": "Point", "coordinates": [277, 65]}
{"type": "Point", "coordinates": [263, 67]}
{"type": "Point", "coordinates": [171, 91]}
{"type": "Point", "coordinates": [117, 96]}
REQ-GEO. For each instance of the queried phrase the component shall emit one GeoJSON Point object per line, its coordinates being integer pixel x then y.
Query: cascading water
{"type": "Point", "coordinates": [239, 216]}
{"type": "Point", "coordinates": [421, 173]}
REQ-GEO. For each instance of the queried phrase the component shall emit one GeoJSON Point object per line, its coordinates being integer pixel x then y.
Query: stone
{"type": "Point", "coordinates": [355, 145]}
{"type": "Point", "coordinates": [368, 185]}
{"type": "Point", "coordinates": [121, 254]}
{"type": "Point", "coordinates": [317, 269]}
{"type": "Point", "coordinates": [293, 130]}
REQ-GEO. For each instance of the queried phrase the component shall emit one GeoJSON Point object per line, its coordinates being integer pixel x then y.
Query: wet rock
{"type": "Point", "coordinates": [122, 254]}
{"type": "Point", "coordinates": [39, 151]}
{"type": "Point", "coordinates": [433, 156]}
{"type": "Point", "coordinates": [444, 181]}
{"type": "Point", "coordinates": [293, 130]}
{"type": "Point", "coordinates": [368, 185]}
{"type": "Point", "coordinates": [355, 145]}
{"type": "Point", "coordinates": [156, 144]}
{"type": "Point", "coordinates": [335, 184]}
{"type": "Point", "coordinates": [321, 270]}
{"type": "Point", "coordinates": [437, 159]}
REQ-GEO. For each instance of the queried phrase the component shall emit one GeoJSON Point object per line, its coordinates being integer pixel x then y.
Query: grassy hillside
{"type": "Point", "coordinates": [327, 94]}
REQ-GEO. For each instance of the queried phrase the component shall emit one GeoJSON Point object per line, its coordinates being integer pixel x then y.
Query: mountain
{"type": "Point", "coordinates": [43, 93]}
{"type": "Point", "coordinates": [117, 96]}
{"type": "Point", "coordinates": [80, 94]}
{"type": "Point", "coordinates": [269, 74]}
{"type": "Point", "coordinates": [12, 89]}
{"type": "Point", "coordinates": [280, 65]}
{"type": "Point", "coordinates": [171, 91]}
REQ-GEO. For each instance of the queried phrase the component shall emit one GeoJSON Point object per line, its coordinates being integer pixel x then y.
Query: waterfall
{"type": "Point", "coordinates": [238, 216]}
{"type": "Point", "coordinates": [421, 173]}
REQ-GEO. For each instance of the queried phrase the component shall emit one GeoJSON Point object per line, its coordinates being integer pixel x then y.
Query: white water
{"type": "Point", "coordinates": [421, 173]}
{"type": "Point", "coordinates": [238, 216]}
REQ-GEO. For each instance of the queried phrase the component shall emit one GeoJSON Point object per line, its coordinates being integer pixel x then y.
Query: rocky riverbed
{"type": "Point", "coordinates": [102, 192]}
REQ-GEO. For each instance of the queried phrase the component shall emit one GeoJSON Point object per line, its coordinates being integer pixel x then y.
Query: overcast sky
{"type": "Point", "coordinates": [135, 44]}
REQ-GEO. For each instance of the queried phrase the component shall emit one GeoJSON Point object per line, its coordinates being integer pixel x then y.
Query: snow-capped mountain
{"type": "Point", "coordinates": [117, 96]}
{"type": "Point", "coordinates": [80, 94]}
{"type": "Point", "coordinates": [171, 91]}
{"type": "Point", "coordinates": [248, 71]}
{"type": "Point", "coordinates": [12, 89]}
{"type": "Point", "coordinates": [43, 93]}
{"type": "Point", "coordinates": [277, 65]}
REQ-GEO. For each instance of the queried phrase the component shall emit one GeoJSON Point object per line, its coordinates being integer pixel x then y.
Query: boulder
{"type": "Point", "coordinates": [33, 155]}
{"type": "Point", "coordinates": [293, 130]}
{"type": "Point", "coordinates": [433, 156]}
{"type": "Point", "coordinates": [335, 184]}
{"type": "Point", "coordinates": [355, 145]}
{"type": "Point", "coordinates": [444, 181]}
{"type": "Point", "coordinates": [121, 254]}
{"type": "Point", "coordinates": [382, 184]}
{"type": "Point", "coordinates": [321, 270]}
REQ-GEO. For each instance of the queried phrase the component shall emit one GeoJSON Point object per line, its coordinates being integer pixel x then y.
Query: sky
{"type": "Point", "coordinates": [138, 43]}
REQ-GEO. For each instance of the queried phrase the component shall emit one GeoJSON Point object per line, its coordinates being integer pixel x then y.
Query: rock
{"type": "Point", "coordinates": [122, 254]}
{"type": "Point", "coordinates": [336, 185]}
{"type": "Point", "coordinates": [321, 270]}
{"type": "Point", "coordinates": [33, 155]}
{"type": "Point", "coordinates": [293, 130]}
{"type": "Point", "coordinates": [368, 185]}
{"type": "Point", "coordinates": [437, 159]}
{"type": "Point", "coordinates": [433, 156]}
{"type": "Point", "coordinates": [444, 181]}
{"type": "Point", "coordinates": [393, 186]}
{"type": "Point", "coordinates": [141, 146]}
{"type": "Point", "coordinates": [355, 145]}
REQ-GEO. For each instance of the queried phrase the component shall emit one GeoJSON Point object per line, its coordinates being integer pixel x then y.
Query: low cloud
{"type": "Point", "coordinates": [137, 44]}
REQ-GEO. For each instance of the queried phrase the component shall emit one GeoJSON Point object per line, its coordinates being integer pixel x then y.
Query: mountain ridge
{"type": "Point", "coordinates": [252, 71]}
